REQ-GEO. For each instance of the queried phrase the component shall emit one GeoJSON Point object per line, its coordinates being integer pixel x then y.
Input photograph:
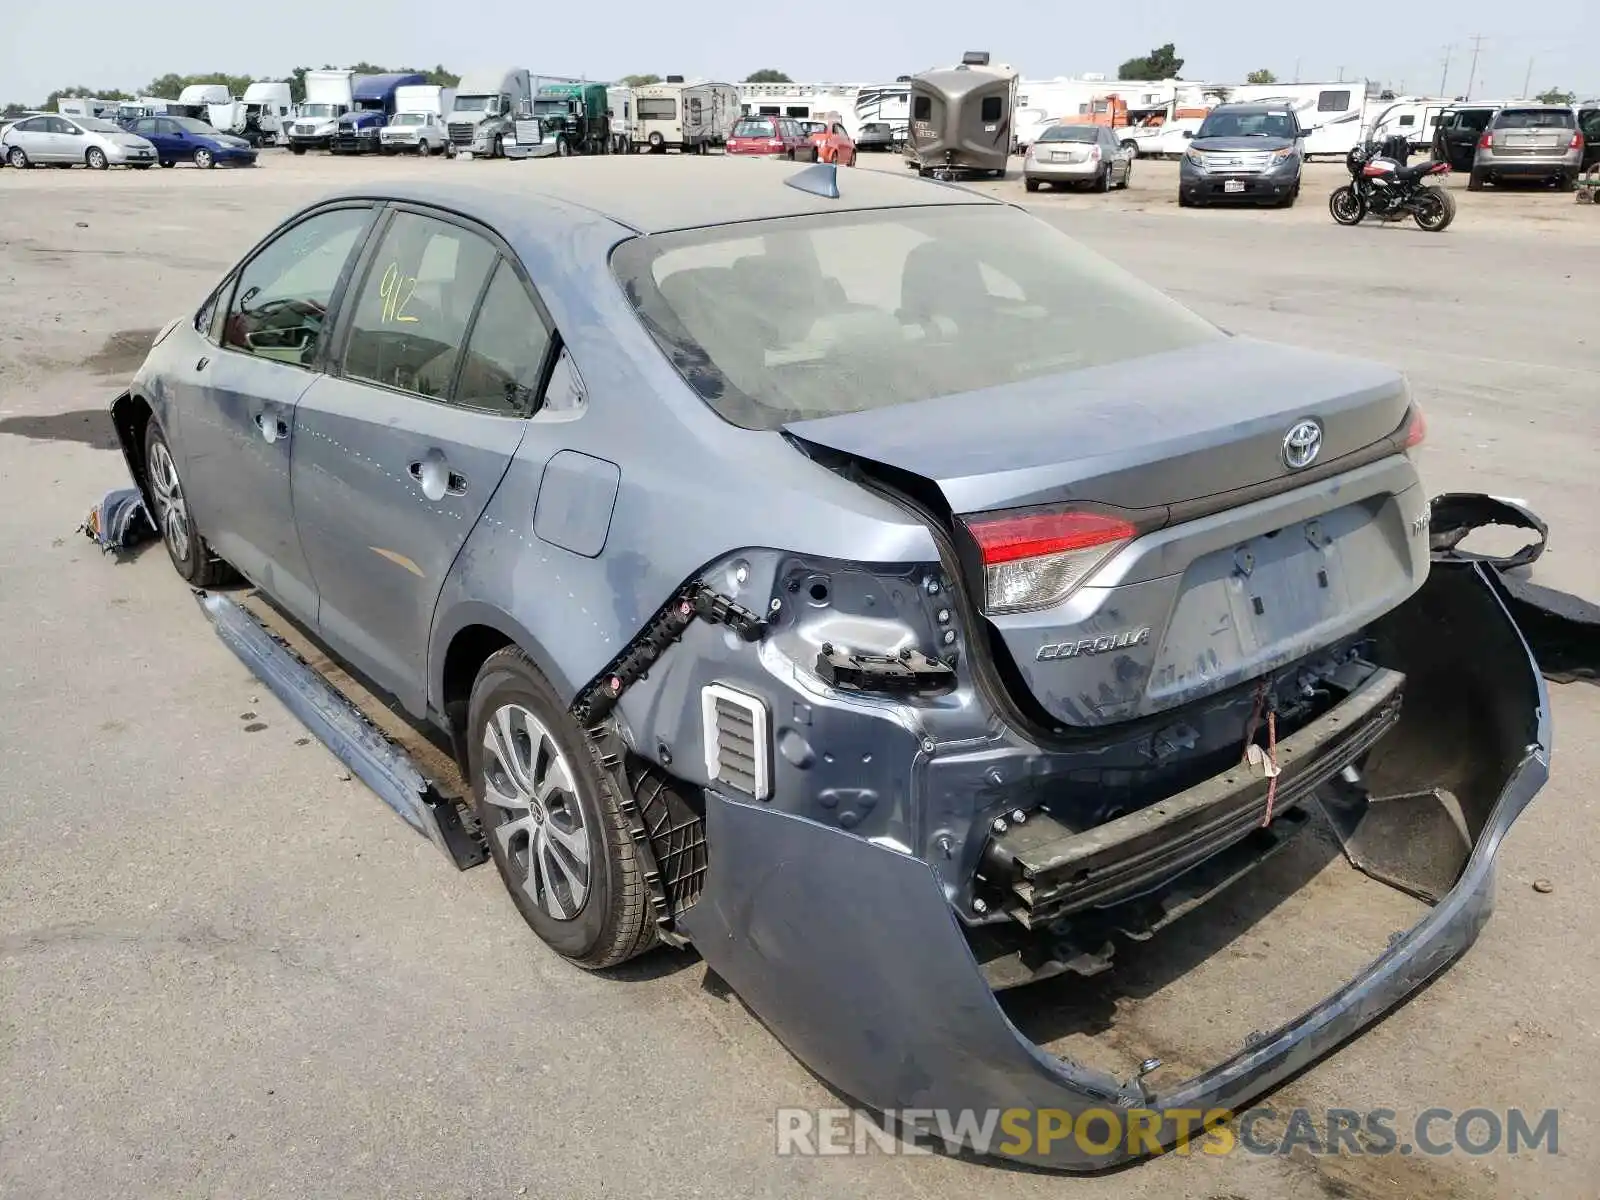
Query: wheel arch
{"type": "Point", "coordinates": [463, 639]}
{"type": "Point", "coordinates": [131, 415]}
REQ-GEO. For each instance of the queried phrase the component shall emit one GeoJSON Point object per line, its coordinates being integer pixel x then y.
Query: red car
{"type": "Point", "coordinates": [772, 137]}
{"type": "Point", "coordinates": [833, 142]}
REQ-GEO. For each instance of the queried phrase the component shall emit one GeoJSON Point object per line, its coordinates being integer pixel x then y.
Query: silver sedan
{"type": "Point", "coordinates": [1077, 154]}
{"type": "Point", "coordinates": [72, 141]}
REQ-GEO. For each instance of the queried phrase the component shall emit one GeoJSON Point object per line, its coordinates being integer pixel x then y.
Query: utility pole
{"type": "Point", "coordinates": [1297, 70]}
{"type": "Point", "coordinates": [1527, 80]}
{"type": "Point", "coordinates": [1472, 74]}
{"type": "Point", "coordinates": [1445, 78]}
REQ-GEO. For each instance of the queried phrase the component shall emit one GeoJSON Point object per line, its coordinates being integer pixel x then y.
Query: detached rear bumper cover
{"type": "Point", "coordinates": [850, 953]}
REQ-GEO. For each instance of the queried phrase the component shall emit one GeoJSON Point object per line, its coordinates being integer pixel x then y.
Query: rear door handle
{"type": "Point", "coordinates": [272, 429]}
{"type": "Point", "coordinates": [437, 479]}
{"type": "Point", "coordinates": [201, 365]}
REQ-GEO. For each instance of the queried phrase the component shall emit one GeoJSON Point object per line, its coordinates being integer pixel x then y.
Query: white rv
{"type": "Point", "coordinates": [882, 104]}
{"type": "Point", "coordinates": [86, 106]}
{"type": "Point", "coordinates": [267, 110]}
{"type": "Point", "coordinates": [328, 97]}
{"type": "Point", "coordinates": [418, 124]}
{"type": "Point", "coordinates": [1333, 114]}
{"type": "Point", "coordinates": [1417, 117]}
{"type": "Point", "coordinates": [688, 116]}
{"type": "Point", "coordinates": [619, 106]}
{"type": "Point", "coordinates": [488, 102]}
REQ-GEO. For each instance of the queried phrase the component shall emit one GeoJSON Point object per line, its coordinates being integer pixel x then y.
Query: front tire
{"type": "Point", "coordinates": [1345, 207]}
{"type": "Point", "coordinates": [292, 150]}
{"type": "Point", "coordinates": [191, 555]}
{"type": "Point", "coordinates": [1031, 185]}
{"type": "Point", "coordinates": [553, 823]}
{"type": "Point", "coordinates": [204, 159]}
{"type": "Point", "coordinates": [95, 159]}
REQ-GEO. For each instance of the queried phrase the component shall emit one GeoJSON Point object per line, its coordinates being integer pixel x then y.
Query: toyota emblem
{"type": "Point", "coordinates": [1301, 445]}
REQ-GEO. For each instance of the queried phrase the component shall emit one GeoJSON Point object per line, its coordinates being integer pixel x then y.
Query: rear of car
{"type": "Point", "coordinates": [1541, 143]}
{"type": "Point", "coordinates": [1065, 154]}
{"type": "Point", "coordinates": [762, 137]}
{"type": "Point", "coordinates": [875, 135]}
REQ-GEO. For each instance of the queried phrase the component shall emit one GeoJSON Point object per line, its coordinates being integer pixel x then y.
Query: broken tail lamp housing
{"type": "Point", "coordinates": [1036, 559]}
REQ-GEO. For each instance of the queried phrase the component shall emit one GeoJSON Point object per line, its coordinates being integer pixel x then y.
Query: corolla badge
{"type": "Point", "coordinates": [1095, 645]}
{"type": "Point", "coordinates": [1301, 445]}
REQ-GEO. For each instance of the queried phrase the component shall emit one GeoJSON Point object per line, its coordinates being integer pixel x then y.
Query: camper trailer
{"type": "Point", "coordinates": [691, 117]}
{"type": "Point", "coordinates": [1417, 117]}
{"type": "Point", "coordinates": [961, 118]}
{"type": "Point", "coordinates": [882, 104]}
{"type": "Point", "coordinates": [86, 106]}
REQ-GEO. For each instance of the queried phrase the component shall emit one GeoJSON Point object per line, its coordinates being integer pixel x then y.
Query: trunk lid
{"type": "Point", "coordinates": [1205, 590]}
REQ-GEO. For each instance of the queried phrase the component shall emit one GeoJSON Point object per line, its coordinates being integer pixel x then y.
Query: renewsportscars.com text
{"type": "Point", "coordinates": [1135, 1131]}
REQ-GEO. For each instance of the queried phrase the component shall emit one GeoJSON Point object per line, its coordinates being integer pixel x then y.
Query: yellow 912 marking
{"type": "Point", "coordinates": [396, 290]}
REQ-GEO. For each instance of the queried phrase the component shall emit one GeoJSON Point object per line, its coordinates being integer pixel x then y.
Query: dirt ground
{"type": "Point", "coordinates": [225, 969]}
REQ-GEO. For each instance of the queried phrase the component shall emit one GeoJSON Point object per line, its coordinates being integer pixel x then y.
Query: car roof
{"type": "Point", "coordinates": [651, 193]}
{"type": "Point", "coordinates": [1252, 106]}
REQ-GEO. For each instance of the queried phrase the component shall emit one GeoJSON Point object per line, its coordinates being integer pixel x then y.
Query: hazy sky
{"type": "Point", "coordinates": [102, 44]}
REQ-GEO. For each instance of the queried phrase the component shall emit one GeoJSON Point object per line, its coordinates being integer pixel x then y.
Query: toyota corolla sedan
{"type": "Point", "coordinates": [51, 140]}
{"type": "Point", "coordinates": [855, 578]}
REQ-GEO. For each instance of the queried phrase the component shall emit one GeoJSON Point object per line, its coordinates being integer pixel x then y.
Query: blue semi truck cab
{"type": "Point", "coordinates": [372, 104]}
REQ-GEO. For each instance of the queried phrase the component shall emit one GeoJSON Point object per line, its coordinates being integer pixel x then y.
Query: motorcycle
{"type": "Point", "coordinates": [1383, 186]}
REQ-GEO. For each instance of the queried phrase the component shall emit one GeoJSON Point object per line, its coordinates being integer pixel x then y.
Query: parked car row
{"type": "Point", "coordinates": [49, 139]}
{"type": "Point", "coordinates": [1539, 142]}
{"type": "Point", "coordinates": [794, 139]}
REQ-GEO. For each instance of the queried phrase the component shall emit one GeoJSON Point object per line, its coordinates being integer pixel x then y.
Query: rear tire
{"type": "Point", "coordinates": [190, 553]}
{"type": "Point", "coordinates": [1435, 211]}
{"type": "Point", "coordinates": [18, 158]}
{"type": "Point", "coordinates": [1031, 185]}
{"type": "Point", "coordinates": [575, 838]}
{"type": "Point", "coordinates": [1103, 182]}
{"type": "Point", "coordinates": [167, 162]}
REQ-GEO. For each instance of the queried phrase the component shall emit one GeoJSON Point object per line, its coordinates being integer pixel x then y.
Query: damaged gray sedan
{"type": "Point", "coordinates": [855, 579]}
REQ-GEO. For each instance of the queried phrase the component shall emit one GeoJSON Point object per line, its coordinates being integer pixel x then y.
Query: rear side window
{"type": "Point", "coordinates": [991, 108]}
{"type": "Point", "coordinates": [785, 320]}
{"type": "Point", "coordinates": [411, 311]}
{"type": "Point", "coordinates": [1333, 101]}
{"type": "Point", "coordinates": [505, 355]}
{"type": "Point", "coordinates": [280, 307]}
{"type": "Point", "coordinates": [1535, 118]}
{"type": "Point", "coordinates": [1407, 120]}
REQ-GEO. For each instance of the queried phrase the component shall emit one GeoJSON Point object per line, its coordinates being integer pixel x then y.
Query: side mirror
{"type": "Point", "coordinates": [1188, 133]}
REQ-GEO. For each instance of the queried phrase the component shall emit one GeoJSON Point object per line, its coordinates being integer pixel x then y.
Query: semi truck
{"type": "Point", "coordinates": [328, 97]}
{"type": "Point", "coordinates": [372, 104]}
{"type": "Point", "coordinates": [487, 104]}
{"type": "Point", "coordinates": [566, 118]}
{"type": "Point", "coordinates": [267, 108]}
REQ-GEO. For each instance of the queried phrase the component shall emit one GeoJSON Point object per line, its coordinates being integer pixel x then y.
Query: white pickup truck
{"type": "Point", "coordinates": [418, 125]}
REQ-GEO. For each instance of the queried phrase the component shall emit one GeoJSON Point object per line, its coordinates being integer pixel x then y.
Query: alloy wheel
{"type": "Point", "coordinates": [172, 510]}
{"type": "Point", "coordinates": [542, 834]}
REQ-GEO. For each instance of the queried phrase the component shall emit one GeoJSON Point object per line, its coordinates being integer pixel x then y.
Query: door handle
{"type": "Point", "coordinates": [271, 427]}
{"type": "Point", "coordinates": [436, 478]}
{"type": "Point", "coordinates": [201, 365]}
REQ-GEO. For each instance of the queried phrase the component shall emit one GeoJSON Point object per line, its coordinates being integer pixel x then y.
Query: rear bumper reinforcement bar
{"type": "Point", "coordinates": [1051, 870]}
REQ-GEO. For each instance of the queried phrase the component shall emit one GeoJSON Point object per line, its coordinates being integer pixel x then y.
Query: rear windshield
{"type": "Point", "coordinates": [784, 320]}
{"type": "Point", "coordinates": [1070, 133]}
{"type": "Point", "coordinates": [1535, 118]}
{"type": "Point", "coordinates": [754, 129]}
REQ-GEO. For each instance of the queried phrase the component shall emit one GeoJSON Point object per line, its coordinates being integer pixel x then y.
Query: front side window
{"type": "Point", "coordinates": [411, 310]}
{"type": "Point", "coordinates": [991, 108]}
{"type": "Point", "coordinates": [505, 355]}
{"type": "Point", "coordinates": [280, 306]}
{"type": "Point", "coordinates": [804, 317]}
{"type": "Point", "coordinates": [145, 127]}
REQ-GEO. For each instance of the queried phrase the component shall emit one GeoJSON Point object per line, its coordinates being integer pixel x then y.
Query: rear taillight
{"type": "Point", "coordinates": [1576, 143]}
{"type": "Point", "coordinates": [1036, 559]}
{"type": "Point", "coordinates": [1416, 429]}
{"type": "Point", "coordinates": [1486, 142]}
{"type": "Point", "coordinates": [1094, 154]}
